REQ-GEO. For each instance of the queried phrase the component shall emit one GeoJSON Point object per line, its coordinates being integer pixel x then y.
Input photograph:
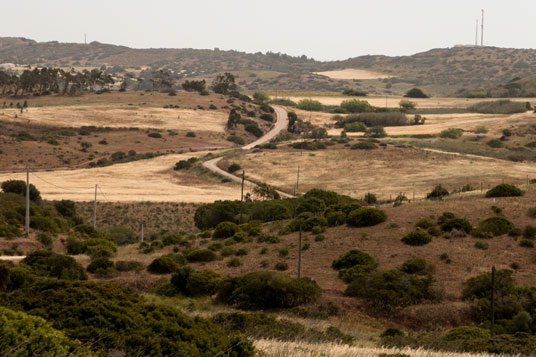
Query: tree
{"type": "Point", "coordinates": [19, 187]}
{"type": "Point", "coordinates": [407, 105]}
{"type": "Point", "coordinates": [415, 93]}
{"type": "Point", "coordinates": [260, 96]}
{"type": "Point", "coordinates": [233, 120]}
{"type": "Point", "coordinates": [356, 106]}
{"type": "Point", "coordinates": [224, 83]}
{"type": "Point", "coordinates": [194, 86]}
{"type": "Point", "coordinates": [265, 191]}
{"type": "Point", "coordinates": [162, 79]}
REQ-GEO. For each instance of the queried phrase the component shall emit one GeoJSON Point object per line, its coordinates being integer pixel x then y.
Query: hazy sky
{"type": "Point", "coordinates": [325, 30]}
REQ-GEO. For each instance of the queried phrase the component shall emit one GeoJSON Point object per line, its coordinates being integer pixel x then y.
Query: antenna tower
{"type": "Point", "coordinates": [482, 30]}
{"type": "Point", "coordinates": [476, 34]}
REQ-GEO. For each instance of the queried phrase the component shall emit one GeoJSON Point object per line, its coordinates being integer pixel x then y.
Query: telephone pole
{"type": "Point", "coordinates": [482, 30]}
{"type": "Point", "coordinates": [492, 332]}
{"type": "Point", "coordinates": [27, 218]}
{"type": "Point", "coordinates": [297, 181]}
{"type": "Point", "coordinates": [95, 209]}
{"type": "Point", "coordinates": [142, 233]}
{"type": "Point", "coordinates": [476, 34]}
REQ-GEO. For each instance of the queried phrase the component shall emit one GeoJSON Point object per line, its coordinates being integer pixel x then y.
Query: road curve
{"type": "Point", "coordinates": [280, 125]}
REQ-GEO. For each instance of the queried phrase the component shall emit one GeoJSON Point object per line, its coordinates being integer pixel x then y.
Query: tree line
{"type": "Point", "coordinates": [46, 80]}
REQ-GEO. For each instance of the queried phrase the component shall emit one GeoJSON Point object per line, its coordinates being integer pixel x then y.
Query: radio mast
{"type": "Point", "coordinates": [482, 30]}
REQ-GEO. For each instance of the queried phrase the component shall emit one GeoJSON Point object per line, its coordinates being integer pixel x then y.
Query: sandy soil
{"type": "Point", "coordinates": [144, 180]}
{"type": "Point", "coordinates": [385, 172]}
{"type": "Point", "coordinates": [119, 117]}
{"type": "Point", "coordinates": [353, 73]}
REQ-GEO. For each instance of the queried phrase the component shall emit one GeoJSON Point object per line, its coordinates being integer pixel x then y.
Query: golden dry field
{"type": "Point", "coordinates": [385, 172]}
{"type": "Point", "coordinates": [353, 73]}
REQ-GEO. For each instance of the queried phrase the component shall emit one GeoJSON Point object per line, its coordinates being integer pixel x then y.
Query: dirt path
{"type": "Point", "coordinates": [280, 124]}
{"type": "Point", "coordinates": [12, 258]}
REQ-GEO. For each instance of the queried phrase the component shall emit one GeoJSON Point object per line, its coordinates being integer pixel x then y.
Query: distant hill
{"type": "Point", "coordinates": [517, 87]}
{"type": "Point", "coordinates": [438, 71]}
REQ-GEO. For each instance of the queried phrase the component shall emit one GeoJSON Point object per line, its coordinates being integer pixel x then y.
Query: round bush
{"type": "Point", "coordinates": [311, 204]}
{"type": "Point", "coordinates": [437, 193]}
{"type": "Point", "coordinates": [417, 238]}
{"type": "Point", "coordinates": [225, 230]}
{"type": "Point", "coordinates": [202, 282]}
{"type": "Point", "coordinates": [352, 258]}
{"type": "Point", "coordinates": [265, 290]}
{"type": "Point", "coordinates": [495, 226]}
{"type": "Point", "coordinates": [233, 167]}
{"type": "Point", "coordinates": [162, 265]}
{"type": "Point", "coordinates": [281, 266]}
{"type": "Point", "coordinates": [416, 265]}
{"type": "Point", "coordinates": [100, 263]}
{"type": "Point", "coordinates": [460, 224]}
{"type": "Point", "coordinates": [504, 190]}
{"type": "Point", "coordinates": [48, 263]}
{"type": "Point", "coordinates": [336, 218]}
{"type": "Point", "coordinates": [201, 255]}
{"type": "Point", "coordinates": [366, 217]}
{"type": "Point", "coordinates": [466, 333]}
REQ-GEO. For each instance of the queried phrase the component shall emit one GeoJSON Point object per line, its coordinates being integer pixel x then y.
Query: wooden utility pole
{"type": "Point", "coordinates": [492, 332]}
{"type": "Point", "coordinates": [297, 181]}
{"type": "Point", "coordinates": [95, 209]}
{"type": "Point", "coordinates": [27, 219]}
{"type": "Point", "coordinates": [142, 233]}
{"type": "Point", "coordinates": [242, 196]}
{"type": "Point", "coordinates": [299, 252]}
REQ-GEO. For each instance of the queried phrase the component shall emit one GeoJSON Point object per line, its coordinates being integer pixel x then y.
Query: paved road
{"type": "Point", "coordinates": [280, 125]}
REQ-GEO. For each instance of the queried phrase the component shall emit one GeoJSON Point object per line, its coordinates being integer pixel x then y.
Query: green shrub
{"type": "Point", "coordinates": [481, 245]}
{"type": "Point", "coordinates": [352, 258]}
{"type": "Point", "coordinates": [19, 278]}
{"type": "Point", "coordinates": [172, 238]}
{"type": "Point", "coordinates": [366, 217]}
{"type": "Point", "coordinates": [227, 251]}
{"type": "Point", "coordinates": [529, 232]}
{"type": "Point", "coordinates": [234, 262]}
{"type": "Point", "coordinates": [25, 335]}
{"type": "Point", "coordinates": [386, 291]}
{"type": "Point", "coordinates": [503, 106]}
{"type": "Point", "coordinates": [364, 145]}
{"type": "Point", "coordinates": [120, 235]}
{"type": "Point", "coordinates": [74, 246]}
{"type": "Point", "coordinates": [531, 212]}
{"type": "Point", "coordinates": [265, 290]}
{"type": "Point", "coordinates": [236, 139]}
{"type": "Point", "coordinates": [311, 204]}
{"type": "Point", "coordinates": [425, 223]}
{"type": "Point", "coordinates": [19, 187]}
{"type": "Point", "coordinates": [376, 132]}
{"type": "Point", "coordinates": [268, 238]}
{"type": "Point", "coordinates": [504, 190]}
{"type": "Point", "coordinates": [417, 266]}
{"type": "Point", "coordinates": [356, 106]}
{"type": "Point", "coordinates": [45, 224]}
{"type": "Point", "coordinates": [437, 193]}
{"type": "Point", "coordinates": [311, 105]}
{"type": "Point", "coordinates": [129, 265]}
{"type": "Point", "coordinates": [191, 134]}
{"type": "Point", "coordinates": [201, 255]}
{"type": "Point", "coordinates": [201, 282]}
{"type": "Point", "coordinates": [466, 333]}
{"type": "Point", "coordinates": [48, 263]}
{"type": "Point", "coordinates": [162, 265]}
{"type": "Point", "coordinates": [281, 266]}
{"type": "Point", "coordinates": [254, 129]}
{"type": "Point", "coordinates": [225, 230]}
{"type": "Point", "coordinates": [495, 143]}
{"type": "Point", "coordinates": [45, 239]}
{"type": "Point", "coordinates": [355, 127]}
{"type": "Point", "coordinates": [370, 198]}
{"type": "Point", "coordinates": [451, 133]}
{"type": "Point", "coordinates": [526, 243]}
{"type": "Point", "coordinates": [268, 117]}
{"type": "Point", "coordinates": [100, 263]}
{"type": "Point", "coordinates": [479, 287]}
{"type": "Point", "coordinates": [460, 224]}
{"type": "Point", "coordinates": [233, 167]}
{"type": "Point", "coordinates": [495, 226]}
{"type": "Point", "coordinates": [417, 238]}
{"type": "Point", "coordinates": [155, 135]}
{"type": "Point", "coordinates": [415, 93]}
{"type": "Point", "coordinates": [335, 218]}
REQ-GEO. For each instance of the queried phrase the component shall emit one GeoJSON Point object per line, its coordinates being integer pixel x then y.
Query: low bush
{"type": "Point", "coordinates": [417, 238]}
{"type": "Point", "coordinates": [48, 263]}
{"type": "Point", "coordinates": [481, 245]}
{"type": "Point", "coordinates": [376, 132]}
{"type": "Point", "coordinates": [335, 218]}
{"type": "Point", "coordinates": [504, 190]}
{"type": "Point", "coordinates": [355, 127]}
{"type": "Point", "coordinates": [352, 258]}
{"type": "Point", "coordinates": [415, 93]}
{"type": "Point", "coordinates": [529, 232]}
{"type": "Point", "coordinates": [129, 265]}
{"type": "Point", "coordinates": [236, 139]}
{"type": "Point", "coordinates": [366, 217]}
{"type": "Point", "coordinates": [461, 224]}
{"type": "Point", "coordinates": [265, 290]}
{"type": "Point", "coordinates": [495, 143]}
{"type": "Point", "coordinates": [526, 243]}
{"type": "Point", "coordinates": [437, 193]}
{"type": "Point", "coordinates": [233, 167]}
{"type": "Point", "coordinates": [267, 117]}
{"type": "Point", "coordinates": [466, 333]}
{"type": "Point", "coordinates": [281, 266]}
{"type": "Point", "coordinates": [225, 230]}
{"type": "Point", "coordinates": [451, 133]}
{"type": "Point", "coordinates": [503, 106]}
{"type": "Point", "coordinates": [99, 264]}
{"type": "Point", "coordinates": [417, 266]}
{"type": "Point", "coordinates": [162, 265]}
{"type": "Point", "coordinates": [364, 145]}
{"type": "Point", "coordinates": [201, 255]}
{"type": "Point", "coordinates": [196, 282]}
{"type": "Point", "coordinates": [495, 226]}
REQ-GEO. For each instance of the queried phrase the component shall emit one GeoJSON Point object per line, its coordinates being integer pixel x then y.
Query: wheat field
{"type": "Point", "coordinates": [301, 349]}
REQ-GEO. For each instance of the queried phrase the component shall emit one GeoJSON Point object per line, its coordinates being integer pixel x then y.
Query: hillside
{"type": "Point", "coordinates": [439, 71]}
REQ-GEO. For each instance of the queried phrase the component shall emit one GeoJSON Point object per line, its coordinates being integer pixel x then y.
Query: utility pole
{"type": "Point", "coordinates": [476, 34]}
{"type": "Point", "coordinates": [142, 233]}
{"type": "Point", "coordinates": [95, 209]}
{"type": "Point", "coordinates": [299, 252]}
{"type": "Point", "coordinates": [27, 220]}
{"type": "Point", "coordinates": [242, 196]}
{"type": "Point", "coordinates": [482, 30]}
{"type": "Point", "coordinates": [297, 181]}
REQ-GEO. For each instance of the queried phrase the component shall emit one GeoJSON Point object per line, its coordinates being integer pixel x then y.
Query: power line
{"type": "Point", "coordinates": [50, 183]}
{"type": "Point", "coordinates": [105, 197]}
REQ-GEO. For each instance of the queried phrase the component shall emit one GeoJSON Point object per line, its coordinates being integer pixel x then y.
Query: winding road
{"type": "Point", "coordinates": [280, 124]}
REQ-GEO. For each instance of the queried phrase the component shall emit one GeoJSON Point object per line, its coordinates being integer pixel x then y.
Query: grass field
{"type": "Point", "coordinates": [144, 180]}
{"type": "Point", "coordinates": [356, 172]}
{"type": "Point", "coordinates": [353, 73]}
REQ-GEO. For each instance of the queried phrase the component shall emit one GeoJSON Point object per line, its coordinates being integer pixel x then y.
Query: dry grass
{"type": "Point", "coordinates": [144, 180]}
{"type": "Point", "coordinates": [353, 73]}
{"type": "Point", "coordinates": [302, 349]}
{"type": "Point", "coordinates": [385, 172]}
{"type": "Point", "coordinates": [122, 117]}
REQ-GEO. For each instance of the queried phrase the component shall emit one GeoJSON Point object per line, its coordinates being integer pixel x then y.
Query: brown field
{"type": "Point", "coordinates": [353, 73]}
{"type": "Point", "coordinates": [143, 180]}
{"type": "Point", "coordinates": [385, 172]}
